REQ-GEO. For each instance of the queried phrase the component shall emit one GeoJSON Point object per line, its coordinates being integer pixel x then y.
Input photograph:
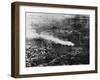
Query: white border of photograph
{"type": "Point", "coordinates": [53, 69]}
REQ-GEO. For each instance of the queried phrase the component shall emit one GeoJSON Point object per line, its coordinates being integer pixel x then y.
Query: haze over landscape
{"type": "Point", "coordinates": [56, 39]}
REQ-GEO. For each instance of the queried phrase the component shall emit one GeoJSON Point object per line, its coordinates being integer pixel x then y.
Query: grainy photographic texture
{"type": "Point", "coordinates": [56, 39]}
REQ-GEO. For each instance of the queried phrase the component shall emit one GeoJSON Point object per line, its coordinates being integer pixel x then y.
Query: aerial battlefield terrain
{"type": "Point", "coordinates": [57, 41]}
